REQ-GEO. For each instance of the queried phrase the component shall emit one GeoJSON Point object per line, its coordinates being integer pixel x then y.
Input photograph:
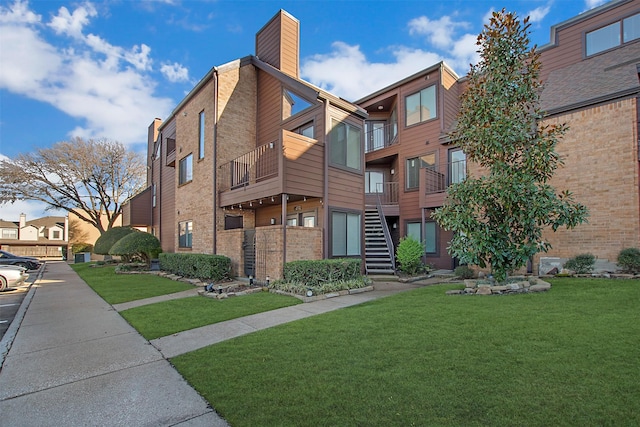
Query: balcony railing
{"type": "Point", "coordinates": [379, 137]}
{"type": "Point", "coordinates": [437, 182]}
{"type": "Point", "coordinates": [251, 167]}
{"type": "Point", "coordinates": [386, 192]}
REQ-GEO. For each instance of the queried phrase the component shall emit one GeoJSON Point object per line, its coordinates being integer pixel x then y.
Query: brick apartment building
{"type": "Point", "coordinates": [259, 165]}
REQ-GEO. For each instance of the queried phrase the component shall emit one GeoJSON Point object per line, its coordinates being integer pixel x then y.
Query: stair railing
{"type": "Point", "coordinates": [385, 228]}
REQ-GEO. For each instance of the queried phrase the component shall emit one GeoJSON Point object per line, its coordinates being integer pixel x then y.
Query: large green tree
{"type": "Point", "coordinates": [91, 178]}
{"type": "Point", "coordinates": [498, 217]}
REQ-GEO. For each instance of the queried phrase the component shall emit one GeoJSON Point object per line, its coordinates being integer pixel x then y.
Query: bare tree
{"type": "Point", "coordinates": [90, 178]}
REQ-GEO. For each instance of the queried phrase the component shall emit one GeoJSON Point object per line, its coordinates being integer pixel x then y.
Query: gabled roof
{"type": "Point", "coordinates": [597, 79]}
{"type": "Point", "coordinates": [308, 90]}
{"type": "Point", "coordinates": [8, 224]}
{"type": "Point", "coordinates": [47, 221]}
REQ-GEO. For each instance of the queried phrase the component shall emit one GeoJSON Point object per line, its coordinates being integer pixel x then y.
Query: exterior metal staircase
{"type": "Point", "coordinates": [379, 254]}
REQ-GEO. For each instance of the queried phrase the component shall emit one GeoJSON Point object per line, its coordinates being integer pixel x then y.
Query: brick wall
{"type": "Point", "coordinates": [230, 245]}
{"type": "Point", "coordinates": [600, 152]}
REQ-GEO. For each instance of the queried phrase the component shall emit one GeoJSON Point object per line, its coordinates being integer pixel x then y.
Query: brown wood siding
{"type": "Point", "coordinates": [569, 39]}
{"type": "Point", "coordinates": [346, 189]}
{"type": "Point", "coordinates": [269, 114]}
{"type": "Point", "coordinates": [264, 215]}
{"type": "Point", "coordinates": [268, 41]}
{"type": "Point", "coordinates": [289, 40]}
{"type": "Point", "coordinates": [451, 100]}
{"type": "Point", "coordinates": [304, 165]}
{"type": "Point", "coordinates": [166, 212]}
{"type": "Point", "coordinates": [138, 210]}
{"type": "Point", "coordinates": [277, 43]}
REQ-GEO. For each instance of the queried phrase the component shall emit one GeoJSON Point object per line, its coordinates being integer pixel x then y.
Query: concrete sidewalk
{"type": "Point", "coordinates": [76, 362]}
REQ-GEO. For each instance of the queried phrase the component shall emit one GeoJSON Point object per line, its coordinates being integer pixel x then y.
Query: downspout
{"type": "Point", "coordinates": [284, 230]}
{"type": "Point", "coordinates": [215, 161]}
{"type": "Point", "coordinates": [325, 210]}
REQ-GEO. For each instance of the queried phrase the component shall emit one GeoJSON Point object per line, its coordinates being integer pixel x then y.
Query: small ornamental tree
{"type": "Point", "coordinates": [109, 238]}
{"type": "Point", "coordinates": [409, 255]}
{"type": "Point", "coordinates": [137, 245]}
{"type": "Point", "coordinates": [498, 218]}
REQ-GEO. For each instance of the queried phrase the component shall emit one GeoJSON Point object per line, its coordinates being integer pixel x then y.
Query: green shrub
{"type": "Point", "coordinates": [629, 260]}
{"type": "Point", "coordinates": [464, 272]}
{"type": "Point", "coordinates": [199, 266]}
{"type": "Point", "coordinates": [141, 245]}
{"type": "Point", "coordinates": [581, 264]}
{"type": "Point", "coordinates": [322, 271]}
{"type": "Point", "coordinates": [81, 247]}
{"type": "Point", "coordinates": [109, 238]}
{"type": "Point", "coordinates": [409, 255]}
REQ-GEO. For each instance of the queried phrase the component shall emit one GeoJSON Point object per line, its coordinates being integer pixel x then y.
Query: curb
{"type": "Point", "coordinates": [12, 331]}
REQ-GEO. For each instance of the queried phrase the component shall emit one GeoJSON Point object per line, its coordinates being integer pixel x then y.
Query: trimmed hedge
{"type": "Point", "coordinates": [319, 272]}
{"type": "Point", "coordinates": [198, 266]}
{"type": "Point", "coordinates": [142, 245]}
{"type": "Point", "coordinates": [109, 238]}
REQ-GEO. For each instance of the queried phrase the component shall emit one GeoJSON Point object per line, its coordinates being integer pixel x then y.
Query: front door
{"type": "Point", "coordinates": [249, 247]}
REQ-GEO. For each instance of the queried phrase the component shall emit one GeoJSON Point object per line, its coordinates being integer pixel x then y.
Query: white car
{"type": "Point", "coordinates": [12, 275]}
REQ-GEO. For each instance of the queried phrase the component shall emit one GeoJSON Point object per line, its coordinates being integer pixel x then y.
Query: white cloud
{"type": "Point", "coordinates": [33, 210]}
{"type": "Point", "coordinates": [18, 13]}
{"type": "Point", "coordinates": [175, 72]}
{"type": "Point", "coordinates": [538, 14]}
{"type": "Point", "coordinates": [345, 71]}
{"type": "Point", "coordinates": [439, 32]}
{"type": "Point", "coordinates": [108, 88]}
{"type": "Point", "coordinates": [71, 24]}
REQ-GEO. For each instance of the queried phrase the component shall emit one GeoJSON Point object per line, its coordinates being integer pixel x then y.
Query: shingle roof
{"type": "Point", "coordinates": [600, 78]}
{"type": "Point", "coordinates": [47, 221]}
{"type": "Point", "coordinates": [7, 224]}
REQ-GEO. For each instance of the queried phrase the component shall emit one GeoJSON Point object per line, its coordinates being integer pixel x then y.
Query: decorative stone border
{"type": "Point", "coordinates": [324, 296]}
{"type": "Point", "coordinates": [478, 287]}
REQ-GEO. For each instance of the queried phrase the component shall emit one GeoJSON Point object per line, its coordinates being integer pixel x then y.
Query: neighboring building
{"type": "Point", "coordinates": [410, 161]}
{"type": "Point", "coordinates": [262, 167]}
{"type": "Point", "coordinates": [45, 237]}
{"type": "Point", "coordinates": [591, 71]}
{"type": "Point", "coordinates": [257, 164]}
{"type": "Point", "coordinates": [83, 232]}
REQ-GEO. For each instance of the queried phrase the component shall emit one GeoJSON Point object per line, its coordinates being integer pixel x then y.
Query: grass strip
{"type": "Point", "coordinates": [118, 288]}
{"type": "Point", "coordinates": [169, 317]}
{"type": "Point", "coordinates": [566, 357]}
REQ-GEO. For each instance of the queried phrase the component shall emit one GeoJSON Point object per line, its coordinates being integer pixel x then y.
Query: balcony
{"type": "Point", "coordinates": [292, 165]}
{"type": "Point", "coordinates": [137, 211]}
{"type": "Point", "coordinates": [379, 136]}
{"type": "Point", "coordinates": [434, 182]}
{"type": "Point", "coordinates": [388, 193]}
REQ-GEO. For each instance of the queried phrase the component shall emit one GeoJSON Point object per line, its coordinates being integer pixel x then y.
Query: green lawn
{"type": "Point", "coordinates": [116, 289]}
{"type": "Point", "coordinates": [568, 357]}
{"type": "Point", "coordinates": [168, 317]}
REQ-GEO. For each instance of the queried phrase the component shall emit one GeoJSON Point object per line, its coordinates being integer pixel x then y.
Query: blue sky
{"type": "Point", "coordinates": [107, 68]}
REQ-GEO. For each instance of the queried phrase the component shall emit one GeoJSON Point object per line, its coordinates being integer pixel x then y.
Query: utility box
{"type": "Point", "coordinates": [82, 257]}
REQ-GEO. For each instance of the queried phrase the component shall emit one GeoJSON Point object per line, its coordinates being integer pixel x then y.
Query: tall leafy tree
{"type": "Point", "coordinates": [91, 178]}
{"type": "Point", "coordinates": [498, 218]}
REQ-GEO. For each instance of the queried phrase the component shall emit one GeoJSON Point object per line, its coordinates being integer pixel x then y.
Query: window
{"type": "Point", "coordinates": [613, 35]}
{"type": "Point", "coordinates": [185, 232]}
{"type": "Point", "coordinates": [374, 131]}
{"type": "Point", "coordinates": [412, 180]}
{"type": "Point", "coordinates": [457, 166]}
{"type": "Point", "coordinates": [393, 125]}
{"type": "Point", "coordinates": [603, 39]}
{"type": "Point", "coordinates": [309, 219]}
{"type": "Point", "coordinates": [9, 233]}
{"type": "Point", "coordinates": [201, 140]}
{"type": "Point", "coordinates": [345, 233]}
{"type": "Point", "coordinates": [373, 182]}
{"type": "Point", "coordinates": [153, 195]}
{"type": "Point", "coordinates": [305, 130]}
{"type": "Point", "coordinates": [292, 220]}
{"type": "Point", "coordinates": [631, 28]}
{"type": "Point", "coordinates": [55, 234]}
{"type": "Point", "coordinates": [186, 170]}
{"type": "Point", "coordinates": [421, 106]}
{"type": "Point", "coordinates": [429, 239]}
{"type": "Point", "coordinates": [345, 145]}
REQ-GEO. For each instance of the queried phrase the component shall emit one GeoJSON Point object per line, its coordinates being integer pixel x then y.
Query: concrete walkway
{"type": "Point", "coordinates": [74, 361]}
